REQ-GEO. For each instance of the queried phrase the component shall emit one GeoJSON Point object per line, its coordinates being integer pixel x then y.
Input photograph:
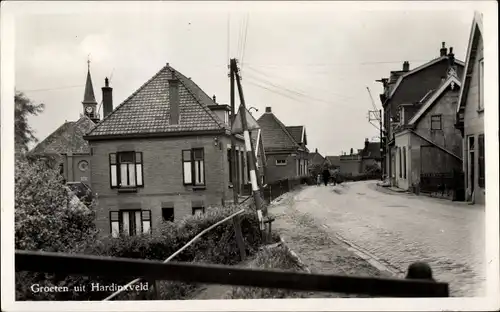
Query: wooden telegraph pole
{"type": "Point", "coordinates": [252, 161]}
{"type": "Point", "coordinates": [234, 170]}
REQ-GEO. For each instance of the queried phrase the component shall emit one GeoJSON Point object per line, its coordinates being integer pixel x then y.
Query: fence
{"type": "Point", "coordinates": [448, 184]}
{"type": "Point", "coordinates": [70, 264]}
{"type": "Point", "coordinates": [277, 188]}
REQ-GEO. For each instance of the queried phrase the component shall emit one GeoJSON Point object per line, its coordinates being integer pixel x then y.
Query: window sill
{"type": "Point", "coordinates": [199, 187]}
{"type": "Point", "coordinates": [127, 190]}
{"type": "Point", "coordinates": [480, 111]}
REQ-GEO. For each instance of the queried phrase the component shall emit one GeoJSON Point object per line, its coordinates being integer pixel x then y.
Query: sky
{"type": "Point", "coordinates": [311, 64]}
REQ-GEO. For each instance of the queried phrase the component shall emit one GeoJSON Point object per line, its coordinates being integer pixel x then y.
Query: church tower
{"type": "Point", "coordinates": [89, 103]}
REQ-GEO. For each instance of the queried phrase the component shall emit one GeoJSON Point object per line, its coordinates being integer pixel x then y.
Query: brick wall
{"type": "Point", "coordinates": [163, 177]}
{"type": "Point", "coordinates": [72, 172]}
{"type": "Point", "coordinates": [276, 172]}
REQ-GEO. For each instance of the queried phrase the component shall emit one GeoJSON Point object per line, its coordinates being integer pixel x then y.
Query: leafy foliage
{"type": "Point", "coordinates": [24, 134]}
{"type": "Point", "coordinates": [45, 219]}
{"type": "Point", "coordinates": [216, 246]}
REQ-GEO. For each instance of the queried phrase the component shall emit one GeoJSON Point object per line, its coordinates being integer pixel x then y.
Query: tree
{"type": "Point", "coordinates": [24, 134]}
{"type": "Point", "coordinates": [46, 217]}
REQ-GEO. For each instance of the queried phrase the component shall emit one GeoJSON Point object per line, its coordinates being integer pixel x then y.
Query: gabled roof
{"type": "Point", "coordinates": [275, 136]}
{"type": "Point", "coordinates": [476, 32]}
{"type": "Point", "coordinates": [298, 133]}
{"type": "Point", "coordinates": [417, 69]}
{"type": "Point", "coordinates": [316, 158]}
{"type": "Point", "coordinates": [67, 138]}
{"type": "Point", "coordinates": [147, 110]}
{"type": "Point", "coordinates": [428, 104]}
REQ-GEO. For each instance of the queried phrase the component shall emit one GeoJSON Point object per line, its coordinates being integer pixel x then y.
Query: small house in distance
{"type": "Point", "coordinates": [286, 154]}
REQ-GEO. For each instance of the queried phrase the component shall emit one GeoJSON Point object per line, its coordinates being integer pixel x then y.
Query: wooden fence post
{"type": "Point", "coordinates": [156, 290]}
{"type": "Point", "coordinates": [239, 237]}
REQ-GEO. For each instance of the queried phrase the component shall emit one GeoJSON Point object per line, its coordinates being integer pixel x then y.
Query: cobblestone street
{"type": "Point", "coordinates": [398, 228]}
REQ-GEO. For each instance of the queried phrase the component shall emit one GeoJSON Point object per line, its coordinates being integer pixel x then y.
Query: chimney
{"type": "Point", "coordinates": [443, 50]}
{"type": "Point", "coordinates": [173, 100]}
{"type": "Point", "coordinates": [268, 109]}
{"type": "Point", "coordinates": [107, 98]}
{"type": "Point", "coordinates": [214, 99]}
{"type": "Point", "coordinates": [406, 66]}
{"type": "Point", "coordinates": [366, 142]}
{"type": "Point", "coordinates": [316, 151]}
{"type": "Point", "coordinates": [451, 57]}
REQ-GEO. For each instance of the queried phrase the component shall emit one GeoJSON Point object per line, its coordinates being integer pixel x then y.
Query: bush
{"type": "Point", "coordinates": [46, 219]}
{"type": "Point", "coordinates": [216, 246]}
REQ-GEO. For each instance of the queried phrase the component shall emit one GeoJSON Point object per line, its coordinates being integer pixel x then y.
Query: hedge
{"type": "Point", "coordinates": [217, 246]}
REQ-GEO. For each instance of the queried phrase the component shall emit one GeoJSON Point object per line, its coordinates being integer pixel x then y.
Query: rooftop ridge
{"type": "Point", "coordinates": [129, 97]}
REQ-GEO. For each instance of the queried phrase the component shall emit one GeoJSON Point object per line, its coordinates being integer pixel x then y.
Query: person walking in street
{"type": "Point", "coordinates": [318, 179]}
{"type": "Point", "coordinates": [326, 176]}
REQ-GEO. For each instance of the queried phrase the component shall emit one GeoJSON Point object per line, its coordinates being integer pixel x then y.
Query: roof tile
{"type": "Point", "coordinates": [274, 134]}
{"type": "Point", "coordinates": [147, 110]}
{"type": "Point", "coordinates": [67, 138]}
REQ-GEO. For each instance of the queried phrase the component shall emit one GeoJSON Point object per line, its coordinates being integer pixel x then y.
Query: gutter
{"type": "Point", "coordinates": [153, 135]}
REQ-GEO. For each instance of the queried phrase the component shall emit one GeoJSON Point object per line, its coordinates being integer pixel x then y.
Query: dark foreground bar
{"type": "Point", "coordinates": [71, 264]}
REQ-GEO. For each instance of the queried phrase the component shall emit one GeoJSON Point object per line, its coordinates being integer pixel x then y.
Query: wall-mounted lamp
{"type": "Point", "coordinates": [253, 108]}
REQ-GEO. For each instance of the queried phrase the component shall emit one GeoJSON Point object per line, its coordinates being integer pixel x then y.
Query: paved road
{"type": "Point", "coordinates": [399, 229]}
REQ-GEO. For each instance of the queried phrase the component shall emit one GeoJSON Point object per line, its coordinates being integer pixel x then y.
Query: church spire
{"type": "Point", "coordinates": [89, 103]}
{"type": "Point", "coordinates": [88, 96]}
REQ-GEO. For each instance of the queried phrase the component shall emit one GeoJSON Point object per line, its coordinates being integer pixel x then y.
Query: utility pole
{"type": "Point", "coordinates": [234, 170]}
{"type": "Point", "coordinates": [379, 118]}
{"type": "Point", "coordinates": [259, 203]}
{"type": "Point", "coordinates": [382, 148]}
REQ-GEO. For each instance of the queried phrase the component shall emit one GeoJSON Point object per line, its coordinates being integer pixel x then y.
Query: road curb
{"type": "Point", "coordinates": [294, 255]}
{"type": "Point", "coordinates": [369, 257]}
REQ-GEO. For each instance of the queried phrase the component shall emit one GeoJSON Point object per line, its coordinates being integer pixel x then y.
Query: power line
{"type": "Point", "coordinates": [50, 89]}
{"type": "Point", "coordinates": [228, 35]}
{"type": "Point", "coordinates": [303, 93]}
{"type": "Point", "coordinates": [244, 40]}
{"type": "Point", "coordinates": [333, 64]}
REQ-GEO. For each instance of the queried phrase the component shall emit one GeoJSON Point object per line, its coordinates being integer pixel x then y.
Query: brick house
{"type": "Point", "coordinates": [407, 88]}
{"type": "Point", "coordinates": [161, 154]}
{"type": "Point", "coordinates": [66, 144]}
{"type": "Point", "coordinates": [426, 141]}
{"type": "Point", "coordinates": [470, 115]}
{"type": "Point", "coordinates": [286, 153]}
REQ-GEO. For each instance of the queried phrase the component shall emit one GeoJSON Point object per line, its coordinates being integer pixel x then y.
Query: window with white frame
{"type": "Point", "coordinates": [481, 85]}
{"type": "Point", "coordinates": [193, 167]}
{"type": "Point", "coordinates": [130, 222]}
{"type": "Point", "coordinates": [198, 210]}
{"type": "Point", "coordinates": [280, 162]}
{"type": "Point", "coordinates": [126, 169]}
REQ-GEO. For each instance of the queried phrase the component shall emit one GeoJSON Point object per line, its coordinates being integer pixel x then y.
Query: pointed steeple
{"type": "Point", "coordinates": [88, 96]}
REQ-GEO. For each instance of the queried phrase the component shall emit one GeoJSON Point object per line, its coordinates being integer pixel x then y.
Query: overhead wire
{"type": "Point", "coordinates": [244, 40]}
{"type": "Point", "coordinates": [297, 91]}
{"type": "Point", "coordinates": [51, 89]}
